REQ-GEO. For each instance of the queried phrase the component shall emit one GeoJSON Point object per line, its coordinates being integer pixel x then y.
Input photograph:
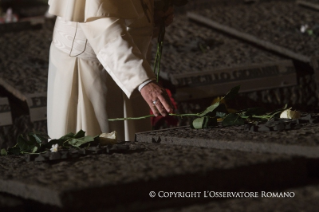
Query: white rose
{"type": "Point", "coordinates": [303, 28]}
{"type": "Point", "coordinates": [290, 114]}
{"type": "Point", "coordinates": [108, 138]}
{"type": "Point", "coordinates": [55, 148]}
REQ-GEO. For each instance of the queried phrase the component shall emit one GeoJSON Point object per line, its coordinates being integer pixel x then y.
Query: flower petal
{"type": "Point", "coordinates": [290, 114]}
{"type": "Point", "coordinates": [108, 138]}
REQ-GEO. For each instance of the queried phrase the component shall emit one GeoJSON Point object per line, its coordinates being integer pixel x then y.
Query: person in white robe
{"type": "Point", "coordinates": [99, 69]}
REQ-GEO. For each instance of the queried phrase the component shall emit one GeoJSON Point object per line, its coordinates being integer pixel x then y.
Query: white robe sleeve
{"type": "Point", "coordinates": [117, 53]}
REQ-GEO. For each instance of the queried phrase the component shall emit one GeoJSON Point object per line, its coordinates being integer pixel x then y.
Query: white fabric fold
{"type": "Point", "coordinates": [115, 48]}
{"type": "Point", "coordinates": [69, 38]}
{"type": "Point", "coordinates": [86, 10]}
{"type": "Point", "coordinates": [118, 53]}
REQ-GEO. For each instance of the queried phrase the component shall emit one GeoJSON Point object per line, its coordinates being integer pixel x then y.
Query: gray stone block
{"type": "Point", "coordinates": [111, 179]}
{"type": "Point", "coordinates": [299, 142]}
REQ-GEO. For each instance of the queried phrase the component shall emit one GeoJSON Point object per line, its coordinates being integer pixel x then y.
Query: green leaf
{"type": "Point", "coordinates": [37, 138]}
{"type": "Point", "coordinates": [66, 137]}
{"type": "Point", "coordinates": [77, 142]}
{"type": "Point", "coordinates": [199, 122]}
{"type": "Point", "coordinates": [3, 152]}
{"type": "Point", "coordinates": [26, 145]}
{"type": "Point", "coordinates": [220, 114]}
{"type": "Point", "coordinates": [233, 119]}
{"type": "Point", "coordinates": [210, 109]}
{"type": "Point", "coordinates": [79, 134]}
{"type": "Point", "coordinates": [232, 93]}
{"type": "Point", "coordinates": [204, 122]}
{"type": "Point", "coordinates": [34, 149]}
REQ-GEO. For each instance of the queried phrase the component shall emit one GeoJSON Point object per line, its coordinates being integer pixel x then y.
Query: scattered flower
{"type": "Point", "coordinates": [290, 114]}
{"type": "Point", "coordinates": [54, 148]}
{"type": "Point", "coordinates": [303, 28]}
{"type": "Point", "coordinates": [108, 138]}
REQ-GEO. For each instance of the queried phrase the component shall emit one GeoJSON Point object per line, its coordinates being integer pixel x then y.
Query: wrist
{"type": "Point", "coordinates": [144, 83]}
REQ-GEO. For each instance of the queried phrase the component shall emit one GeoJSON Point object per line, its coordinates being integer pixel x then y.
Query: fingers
{"type": "Point", "coordinates": [166, 103]}
{"type": "Point", "coordinates": [161, 110]}
{"type": "Point", "coordinates": [157, 99]}
{"type": "Point", "coordinates": [157, 108]}
{"type": "Point", "coordinates": [153, 108]}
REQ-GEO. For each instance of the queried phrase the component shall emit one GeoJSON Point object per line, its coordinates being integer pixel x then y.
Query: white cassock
{"type": "Point", "coordinates": [98, 59]}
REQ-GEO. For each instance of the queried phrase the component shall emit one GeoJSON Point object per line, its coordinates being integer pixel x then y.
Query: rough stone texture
{"type": "Point", "coordinates": [302, 142]}
{"type": "Point", "coordinates": [24, 59]}
{"type": "Point", "coordinates": [201, 4]}
{"type": "Point", "coordinates": [125, 178]}
{"type": "Point", "coordinates": [272, 21]}
{"type": "Point", "coordinates": [182, 53]}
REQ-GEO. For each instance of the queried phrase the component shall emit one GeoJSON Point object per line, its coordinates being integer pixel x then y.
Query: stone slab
{"type": "Point", "coordinates": [201, 63]}
{"type": "Point", "coordinates": [110, 180]}
{"type": "Point", "coordinates": [245, 22]}
{"type": "Point", "coordinates": [310, 4]}
{"type": "Point", "coordinates": [37, 103]}
{"type": "Point", "coordinates": [306, 199]}
{"type": "Point", "coordinates": [10, 203]}
{"type": "Point", "coordinates": [250, 38]}
{"type": "Point", "coordinates": [277, 21]}
{"type": "Point", "coordinates": [24, 61]}
{"type": "Point", "coordinates": [302, 142]}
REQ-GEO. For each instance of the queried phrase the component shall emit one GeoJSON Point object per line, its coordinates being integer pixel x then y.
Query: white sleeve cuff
{"type": "Point", "coordinates": [144, 83]}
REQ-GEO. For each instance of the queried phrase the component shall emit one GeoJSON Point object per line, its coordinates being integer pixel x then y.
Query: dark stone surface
{"type": "Point", "coordinates": [10, 204]}
{"type": "Point", "coordinates": [21, 125]}
{"type": "Point", "coordinates": [303, 141]}
{"type": "Point", "coordinates": [24, 59]}
{"type": "Point", "coordinates": [182, 53]}
{"type": "Point", "coordinates": [272, 21]}
{"type": "Point", "coordinates": [75, 152]}
{"type": "Point", "coordinates": [306, 199]}
{"type": "Point", "coordinates": [111, 179]}
{"type": "Point", "coordinates": [15, 27]}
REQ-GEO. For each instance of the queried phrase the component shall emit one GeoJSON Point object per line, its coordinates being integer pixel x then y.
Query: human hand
{"type": "Point", "coordinates": [157, 99]}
